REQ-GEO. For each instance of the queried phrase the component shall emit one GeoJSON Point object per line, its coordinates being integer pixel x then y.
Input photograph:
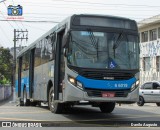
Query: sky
{"type": "Point", "coordinates": [36, 11]}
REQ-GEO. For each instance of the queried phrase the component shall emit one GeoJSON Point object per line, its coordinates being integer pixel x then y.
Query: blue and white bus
{"type": "Point", "coordinates": [85, 58]}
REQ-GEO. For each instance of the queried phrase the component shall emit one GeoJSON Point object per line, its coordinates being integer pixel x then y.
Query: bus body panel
{"type": "Point", "coordinates": [42, 76]}
{"type": "Point", "coordinates": [73, 93]}
{"type": "Point", "coordinates": [45, 73]}
{"type": "Point", "coordinates": [81, 95]}
{"type": "Point", "coordinates": [106, 84]}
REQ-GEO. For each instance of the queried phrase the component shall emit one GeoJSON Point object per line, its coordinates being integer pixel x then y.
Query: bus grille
{"type": "Point", "coordinates": [98, 93]}
{"type": "Point", "coordinates": [106, 75]}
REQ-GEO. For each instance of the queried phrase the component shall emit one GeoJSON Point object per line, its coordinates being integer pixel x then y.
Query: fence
{"type": "Point", "coordinates": [5, 92]}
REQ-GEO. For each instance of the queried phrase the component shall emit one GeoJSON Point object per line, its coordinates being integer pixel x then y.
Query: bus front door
{"type": "Point", "coordinates": [59, 66]}
{"type": "Point", "coordinates": [19, 76]}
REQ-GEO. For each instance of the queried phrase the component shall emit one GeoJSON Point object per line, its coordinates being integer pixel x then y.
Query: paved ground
{"type": "Point", "coordinates": [124, 115]}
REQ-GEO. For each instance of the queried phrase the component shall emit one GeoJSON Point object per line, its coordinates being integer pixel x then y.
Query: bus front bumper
{"type": "Point", "coordinates": [72, 93]}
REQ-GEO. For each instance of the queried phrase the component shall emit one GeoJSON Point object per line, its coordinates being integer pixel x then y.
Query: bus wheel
{"type": "Point", "coordinates": [107, 107]}
{"type": "Point", "coordinates": [54, 106]}
{"type": "Point", "coordinates": [25, 100]}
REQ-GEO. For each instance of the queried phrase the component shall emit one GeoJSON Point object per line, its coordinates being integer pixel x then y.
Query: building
{"type": "Point", "coordinates": [149, 32]}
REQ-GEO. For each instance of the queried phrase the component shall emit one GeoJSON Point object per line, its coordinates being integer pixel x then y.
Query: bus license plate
{"type": "Point", "coordinates": [108, 94]}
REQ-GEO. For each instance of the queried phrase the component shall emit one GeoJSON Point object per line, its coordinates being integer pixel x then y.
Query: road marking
{"type": "Point", "coordinates": [17, 119]}
{"type": "Point", "coordinates": [3, 113]}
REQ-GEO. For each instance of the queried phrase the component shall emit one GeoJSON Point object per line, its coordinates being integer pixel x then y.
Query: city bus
{"type": "Point", "coordinates": [85, 59]}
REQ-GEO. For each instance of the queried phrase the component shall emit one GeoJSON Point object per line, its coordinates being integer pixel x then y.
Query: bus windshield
{"type": "Point", "coordinates": [88, 49]}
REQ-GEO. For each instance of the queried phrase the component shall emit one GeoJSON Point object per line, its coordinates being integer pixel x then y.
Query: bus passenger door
{"type": "Point", "coordinates": [31, 73]}
{"type": "Point", "coordinates": [59, 66]}
{"type": "Point", "coordinates": [19, 76]}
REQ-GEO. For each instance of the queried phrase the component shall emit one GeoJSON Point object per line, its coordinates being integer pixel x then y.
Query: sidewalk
{"type": "Point", "coordinates": [135, 104]}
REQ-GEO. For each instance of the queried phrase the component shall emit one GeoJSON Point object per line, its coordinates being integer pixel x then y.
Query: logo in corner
{"type": "Point", "coordinates": [15, 10]}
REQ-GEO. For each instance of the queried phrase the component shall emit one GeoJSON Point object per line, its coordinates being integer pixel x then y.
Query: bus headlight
{"type": "Point", "coordinates": [74, 82]}
{"type": "Point", "coordinates": [135, 85]}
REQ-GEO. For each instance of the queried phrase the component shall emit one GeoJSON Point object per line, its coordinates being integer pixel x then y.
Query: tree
{"type": "Point", "coordinates": [6, 66]}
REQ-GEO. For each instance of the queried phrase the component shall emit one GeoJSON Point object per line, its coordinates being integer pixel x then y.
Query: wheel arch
{"type": "Point", "coordinates": [142, 97]}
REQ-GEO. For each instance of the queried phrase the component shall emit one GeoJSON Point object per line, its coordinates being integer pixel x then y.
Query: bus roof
{"type": "Point", "coordinates": [55, 28]}
{"type": "Point", "coordinates": [100, 15]}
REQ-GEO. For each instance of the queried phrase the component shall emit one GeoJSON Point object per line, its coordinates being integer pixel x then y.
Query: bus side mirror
{"type": "Point", "coordinates": [65, 52]}
{"type": "Point", "coordinates": [65, 40]}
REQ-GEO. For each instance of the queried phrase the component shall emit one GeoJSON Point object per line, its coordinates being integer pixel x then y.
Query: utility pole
{"type": "Point", "coordinates": [18, 35]}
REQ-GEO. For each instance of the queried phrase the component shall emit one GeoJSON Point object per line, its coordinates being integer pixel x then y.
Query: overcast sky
{"type": "Point", "coordinates": [57, 10]}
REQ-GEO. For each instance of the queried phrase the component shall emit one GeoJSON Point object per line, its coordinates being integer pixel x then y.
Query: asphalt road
{"type": "Point", "coordinates": [125, 115]}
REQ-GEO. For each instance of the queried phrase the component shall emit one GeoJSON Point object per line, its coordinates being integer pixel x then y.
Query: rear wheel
{"type": "Point", "coordinates": [141, 101]}
{"type": "Point", "coordinates": [107, 107]}
{"type": "Point", "coordinates": [54, 107]}
{"type": "Point", "coordinates": [158, 104]}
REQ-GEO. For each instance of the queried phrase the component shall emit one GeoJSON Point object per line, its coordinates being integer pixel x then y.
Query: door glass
{"type": "Point", "coordinates": [148, 86]}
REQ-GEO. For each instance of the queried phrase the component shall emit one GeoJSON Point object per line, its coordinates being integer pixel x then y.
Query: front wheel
{"type": "Point", "coordinates": [54, 107]}
{"type": "Point", "coordinates": [158, 104]}
{"type": "Point", "coordinates": [107, 107]}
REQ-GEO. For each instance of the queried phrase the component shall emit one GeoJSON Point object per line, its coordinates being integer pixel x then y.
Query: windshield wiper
{"type": "Point", "coordinates": [117, 42]}
{"type": "Point", "coordinates": [94, 42]}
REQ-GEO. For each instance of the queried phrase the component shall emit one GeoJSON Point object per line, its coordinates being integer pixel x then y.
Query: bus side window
{"type": "Point", "coordinates": [43, 49]}
{"type": "Point", "coordinates": [25, 62]}
{"type": "Point", "coordinates": [48, 53]}
{"type": "Point", "coordinates": [53, 41]}
{"type": "Point", "coordinates": [38, 54]}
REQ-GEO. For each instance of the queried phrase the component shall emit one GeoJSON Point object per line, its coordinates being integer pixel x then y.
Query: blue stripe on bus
{"type": "Point", "coordinates": [24, 81]}
{"type": "Point", "coordinates": [106, 84]}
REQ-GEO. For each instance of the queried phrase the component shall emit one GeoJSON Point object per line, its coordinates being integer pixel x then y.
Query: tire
{"type": "Point", "coordinates": [54, 107]}
{"type": "Point", "coordinates": [25, 101]}
{"type": "Point", "coordinates": [141, 101]}
{"type": "Point", "coordinates": [107, 107]}
{"type": "Point", "coordinates": [158, 104]}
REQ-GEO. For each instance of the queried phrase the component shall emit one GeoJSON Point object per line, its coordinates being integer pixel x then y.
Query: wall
{"type": "Point", "coordinates": [149, 49]}
{"type": "Point", "coordinates": [5, 92]}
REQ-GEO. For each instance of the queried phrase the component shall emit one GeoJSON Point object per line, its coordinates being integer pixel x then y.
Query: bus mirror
{"type": "Point", "coordinates": [65, 52]}
{"type": "Point", "coordinates": [65, 40]}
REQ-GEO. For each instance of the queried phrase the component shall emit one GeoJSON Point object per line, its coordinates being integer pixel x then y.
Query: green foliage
{"type": "Point", "coordinates": [6, 66]}
{"type": "Point", "coordinates": [5, 81]}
